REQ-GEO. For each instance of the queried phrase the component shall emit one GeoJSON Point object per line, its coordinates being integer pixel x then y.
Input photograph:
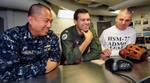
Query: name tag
{"type": "Point", "coordinates": [47, 48]}
{"type": "Point", "coordinates": [28, 52]}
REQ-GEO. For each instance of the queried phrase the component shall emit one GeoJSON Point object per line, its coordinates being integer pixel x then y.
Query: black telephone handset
{"type": "Point", "coordinates": [118, 64]}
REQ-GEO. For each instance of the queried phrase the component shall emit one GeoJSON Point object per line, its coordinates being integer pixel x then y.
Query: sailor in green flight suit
{"type": "Point", "coordinates": [80, 42]}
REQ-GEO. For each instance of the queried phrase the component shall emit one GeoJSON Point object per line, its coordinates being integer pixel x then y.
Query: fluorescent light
{"type": "Point", "coordinates": [65, 14]}
{"type": "Point", "coordinates": [115, 12]}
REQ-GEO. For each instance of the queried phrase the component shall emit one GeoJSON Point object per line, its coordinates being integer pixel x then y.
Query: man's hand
{"type": "Point", "coordinates": [88, 35]}
{"type": "Point", "coordinates": [50, 66]}
{"type": "Point", "coordinates": [88, 38]}
{"type": "Point", "coordinates": [105, 54]}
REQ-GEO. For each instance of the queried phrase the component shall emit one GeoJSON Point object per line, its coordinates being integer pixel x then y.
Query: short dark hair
{"type": "Point", "coordinates": [36, 7]}
{"type": "Point", "coordinates": [79, 11]}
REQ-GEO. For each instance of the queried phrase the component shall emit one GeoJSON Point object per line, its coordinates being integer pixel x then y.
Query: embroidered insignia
{"type": "Point", "coordinates": [64, 36]}
{"type": "Point", "coordinates": [47, 48]}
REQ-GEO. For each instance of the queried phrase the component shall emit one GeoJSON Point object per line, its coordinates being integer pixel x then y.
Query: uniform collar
{"type": "Point", "coordinates": [27, 34]}
{"type": "Point", "coordinates": [76, 32]}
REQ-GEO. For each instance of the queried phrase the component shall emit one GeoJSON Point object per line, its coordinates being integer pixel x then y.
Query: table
{"type": "Point", "coordinates": [90, 72]}
{"type": "Point", "coordinates": [52, 77]}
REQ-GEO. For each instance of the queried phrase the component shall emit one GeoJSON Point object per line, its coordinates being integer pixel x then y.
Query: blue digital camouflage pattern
{"type": "Point", "coordinates": [23, 56]}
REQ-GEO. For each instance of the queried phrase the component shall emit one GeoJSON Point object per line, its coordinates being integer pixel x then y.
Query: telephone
{"type": "Point", "coordinates": [118, 64]}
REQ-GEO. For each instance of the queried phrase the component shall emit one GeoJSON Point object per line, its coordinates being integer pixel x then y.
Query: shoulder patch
{"type": "Point", "coordinates": [64, 36]}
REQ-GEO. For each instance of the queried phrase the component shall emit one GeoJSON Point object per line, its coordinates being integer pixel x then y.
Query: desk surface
{"type": "Point", "coordinates": [90, 72]}
{"type": "Point", "coordinates": [95, 73]}
{"type": "Point", "coordinates": [52, 77]}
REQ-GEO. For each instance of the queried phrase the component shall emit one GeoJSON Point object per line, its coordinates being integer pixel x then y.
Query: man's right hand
{"type": "Point", "coordinates": [88, 38]}
{"type": "Point", "coordinates": [88, 35]}
{"type": "Point", "coordinates": [105, 54]}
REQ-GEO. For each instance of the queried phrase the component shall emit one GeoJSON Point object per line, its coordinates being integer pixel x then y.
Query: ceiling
{"type": "Point", "coordinates": [95, 7]}
{"type": "Point", "coordinates": [100, 7]}
{"type": "Point", "coordinates": [17, 4]}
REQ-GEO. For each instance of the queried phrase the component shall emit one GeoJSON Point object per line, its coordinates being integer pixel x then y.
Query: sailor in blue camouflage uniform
{"type": "Point", "coordinates": [29, 50]}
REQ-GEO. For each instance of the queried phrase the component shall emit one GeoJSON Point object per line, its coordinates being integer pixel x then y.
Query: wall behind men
{"type": "Point", "coordinates": [14, 18]}
{"type": "Point", "coordinates": [59, 24]}
{"type": "Point", "coordinates": [141, 23]}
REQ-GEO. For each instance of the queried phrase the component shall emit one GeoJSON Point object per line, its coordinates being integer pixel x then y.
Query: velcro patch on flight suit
{"type": "Point", "coordinates": [64, 35]}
